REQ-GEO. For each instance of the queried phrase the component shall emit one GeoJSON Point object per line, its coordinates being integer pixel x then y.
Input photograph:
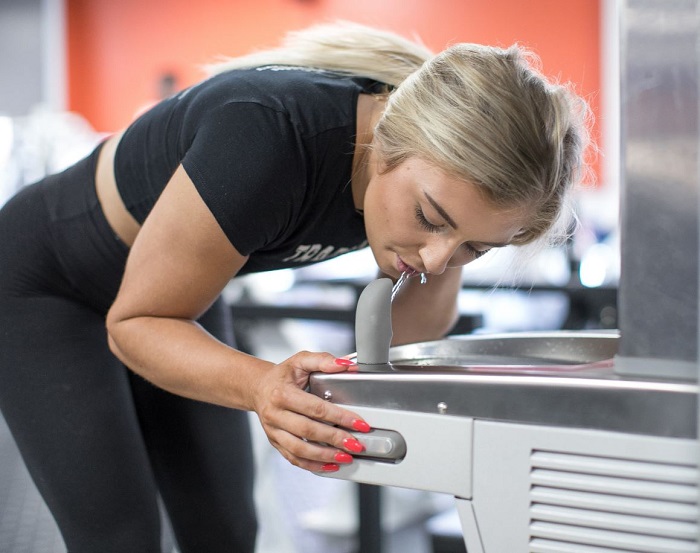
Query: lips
{"type": "Point", "coordinates": [404, 267]}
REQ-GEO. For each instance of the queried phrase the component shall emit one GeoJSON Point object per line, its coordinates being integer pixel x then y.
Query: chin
{"type": "Point", "coordinates": [390, 270]}
{"type": "Point", "coordinates": [385, 262]}
{"type": "Point", "coordinates": [377, 258]}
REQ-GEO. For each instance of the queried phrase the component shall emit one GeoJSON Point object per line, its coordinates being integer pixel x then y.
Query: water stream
{"type": "Point", "coordinates": [403, 278]}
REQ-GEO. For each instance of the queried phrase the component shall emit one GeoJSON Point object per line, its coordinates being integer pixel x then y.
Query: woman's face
{"type": "Point", "coordinates": [419, 219]}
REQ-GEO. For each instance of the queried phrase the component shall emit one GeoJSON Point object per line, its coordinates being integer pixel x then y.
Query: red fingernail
{"type": "Point", "coordinates": [330, 467]}
{"type": "Point", "coordinates": [360, 426]}
{"type": "Point", "coordinates": [353, 445]}
{"type": "Point", "coordinates": [344, 362]}
{"type": "Point", "coordinates": [343, 457]}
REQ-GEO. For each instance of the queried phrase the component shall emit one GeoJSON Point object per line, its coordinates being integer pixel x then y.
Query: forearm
{"type": "Point", "coordinates": [426, 311]}
{"type": "Point", "coordinates": [179, 356]}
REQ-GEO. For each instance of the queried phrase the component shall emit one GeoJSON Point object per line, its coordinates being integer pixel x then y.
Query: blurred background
{"type": "Point", "coordinates": [74, 71]}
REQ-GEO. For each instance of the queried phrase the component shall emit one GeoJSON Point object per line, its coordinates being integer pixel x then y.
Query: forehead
{"type": "Point", "coordinates": [465, 202]}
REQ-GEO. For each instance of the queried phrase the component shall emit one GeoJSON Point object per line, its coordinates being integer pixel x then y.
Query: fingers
{"type": "Point", "coordinates": [308, 416]}
{"type": "Point", "coordinates": [346, 363]}
{"type": "Point", "coordinates": [301, 365]}
{"type": "Point", "coordinates": [304, 363]}
{"type": "Point", "coordinates": [314, 410]}
{"type": "Point", "coordinates": [309, 432]}
{"type": "Point", "coordinates": [310, 454]}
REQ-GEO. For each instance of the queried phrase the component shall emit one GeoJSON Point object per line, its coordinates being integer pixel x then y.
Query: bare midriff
{"type": "Point", "coordinates": [122, 222]}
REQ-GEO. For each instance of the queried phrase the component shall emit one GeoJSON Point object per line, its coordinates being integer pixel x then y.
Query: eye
{"type": "Point", "coordinates": [423, 222]}
{"type": "Point", "coordinates": [476, 254]}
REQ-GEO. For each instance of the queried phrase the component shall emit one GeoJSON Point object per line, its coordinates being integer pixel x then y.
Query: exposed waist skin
{"type": "Point", "coordinates": [118, 217]}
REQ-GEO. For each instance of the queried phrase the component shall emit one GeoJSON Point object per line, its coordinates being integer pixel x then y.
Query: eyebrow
{"type": "Point", "coordinates": [450, 221]}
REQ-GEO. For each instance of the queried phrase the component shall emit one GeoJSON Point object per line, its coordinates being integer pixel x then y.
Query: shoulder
{"type": "Point", "coordinates": [312, 99]}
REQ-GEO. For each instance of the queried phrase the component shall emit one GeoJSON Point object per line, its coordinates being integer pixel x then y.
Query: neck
{"type": "Point", "coordinates": [369, 111]}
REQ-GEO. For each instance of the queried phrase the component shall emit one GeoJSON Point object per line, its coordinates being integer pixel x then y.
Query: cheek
{"type": "Point", "coordinates": [378, 212]}
{"type": "Point", "coordinates": [389, 215]}
{"type": "Point", "coordinates": [460, 258]}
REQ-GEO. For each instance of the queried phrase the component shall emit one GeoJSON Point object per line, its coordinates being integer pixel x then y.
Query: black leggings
{"type": "Point", "coordinates": [100, 442]}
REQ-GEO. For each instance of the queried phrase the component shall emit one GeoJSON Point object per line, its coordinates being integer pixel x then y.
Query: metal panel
{"type": "Point", "coordinates": [603, 474]}
{"type": "Point", "coordinates": [556, 378]}
{"type": "Point", "coordinates": [658, 300]}
{"type": "Point", "coordinates": [632, 406]}
{"type": "Point", "coordinates": [438, 453]}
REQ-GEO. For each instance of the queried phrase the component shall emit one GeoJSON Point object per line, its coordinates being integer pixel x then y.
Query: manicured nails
{"type": "Point", "coordinates": [344, 362]}
{"type": "Point", "coordinates": [353, 445]}
{"type": "Point", "coordinates": [360, 426]}
{"type": "Point", "coordinates": [343, 457]}
{"type": "Point", "coordinates": [330, 467]}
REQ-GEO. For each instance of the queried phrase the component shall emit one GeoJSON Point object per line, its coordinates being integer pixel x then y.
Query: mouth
{"type": "Point", "coordinates": [404, 267]}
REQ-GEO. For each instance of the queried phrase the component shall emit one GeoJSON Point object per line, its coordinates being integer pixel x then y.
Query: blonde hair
{"type": "Point", "coordinates": [343, 47]}
{"type": "Point", "coordinates": [483, 114]}
{"type": "Point", "coordinates": [487, 115]}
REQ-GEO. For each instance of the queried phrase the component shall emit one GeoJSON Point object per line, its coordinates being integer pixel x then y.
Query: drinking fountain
{"type": "Point", "coordinates": [533, 432]}
{"type": "Point", "coordinates": [563, 441]}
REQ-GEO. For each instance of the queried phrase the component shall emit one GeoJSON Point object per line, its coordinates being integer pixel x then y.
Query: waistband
{"type": "Point", "coordinates": [72, 193]}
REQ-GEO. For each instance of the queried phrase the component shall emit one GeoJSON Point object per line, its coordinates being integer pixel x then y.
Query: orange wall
{"type": "Point", "coordinates": [118, 50]}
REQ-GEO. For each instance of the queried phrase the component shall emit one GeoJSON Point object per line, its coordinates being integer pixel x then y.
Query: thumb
{"type": "Point", "coordinates": [339, 364]}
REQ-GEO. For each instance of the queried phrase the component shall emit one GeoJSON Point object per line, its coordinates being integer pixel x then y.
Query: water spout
{"type": "Point", "coordinates": [373, 323]}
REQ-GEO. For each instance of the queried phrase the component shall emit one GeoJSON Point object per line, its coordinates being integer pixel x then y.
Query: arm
{"type": "Point", "coordinates": [427, 311]}
{"type": "Point", "coordinates": [177, 267]}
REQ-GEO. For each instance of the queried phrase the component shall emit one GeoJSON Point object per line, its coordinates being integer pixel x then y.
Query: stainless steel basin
{"type": "Point", "coordinates": [536, 352]}
{"type": "Point", "coordinates": [554, 378]}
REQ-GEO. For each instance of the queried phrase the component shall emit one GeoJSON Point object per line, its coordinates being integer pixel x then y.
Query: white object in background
{"type": "Point", "coordinates": [7, 178]}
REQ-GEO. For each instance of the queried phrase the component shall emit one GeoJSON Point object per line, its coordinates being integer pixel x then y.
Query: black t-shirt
{"type": "Point", "coordinates": [270, 152]}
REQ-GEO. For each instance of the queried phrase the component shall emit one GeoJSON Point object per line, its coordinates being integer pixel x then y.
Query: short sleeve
{"type": "Point", "coordinates": [247, 163]}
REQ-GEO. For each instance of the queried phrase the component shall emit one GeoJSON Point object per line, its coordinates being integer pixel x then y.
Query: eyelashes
{"type": "Point", "coordinates": [430, 227]}
{"type": "Point", "coordinates": [424, 223]}
{"type": "Point", "coordinates": [477, 253]}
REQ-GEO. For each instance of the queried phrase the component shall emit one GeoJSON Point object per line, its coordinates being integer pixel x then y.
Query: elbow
{"type": "Point", "coordinates": [441, 329]}
{"type": "Point", "coordinates": [442, 326]}
{"type": "Point", "coordinates": [112, 324]}
{"type": "Point", "coordinates": [112, 344]}
{"type": "Point", "coordinates": [429, 329]}
{"type": "Point", "coordinates": [451, 323]}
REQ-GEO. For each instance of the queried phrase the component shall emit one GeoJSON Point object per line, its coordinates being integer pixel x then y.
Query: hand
{"type": "Point", "coordinates": [298, 423]}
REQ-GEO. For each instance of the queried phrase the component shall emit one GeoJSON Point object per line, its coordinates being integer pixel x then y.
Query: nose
{"type": "Point", "coordinates": [438, 255]}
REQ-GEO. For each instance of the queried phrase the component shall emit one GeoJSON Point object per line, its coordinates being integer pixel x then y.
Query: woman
{"type": "Point", "coordinates": [344, 137]}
